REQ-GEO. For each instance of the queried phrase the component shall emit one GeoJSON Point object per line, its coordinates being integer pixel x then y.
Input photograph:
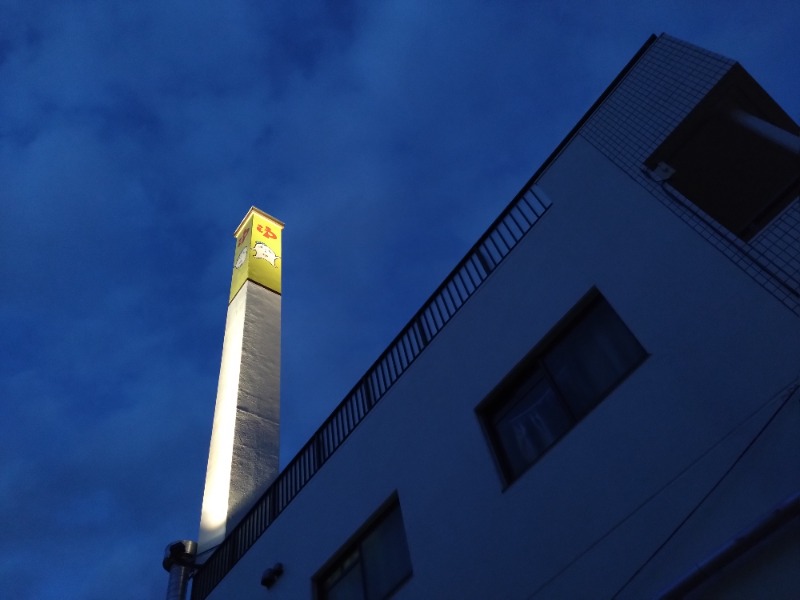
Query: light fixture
{"type": "Point", "coordinates": [271, 575]}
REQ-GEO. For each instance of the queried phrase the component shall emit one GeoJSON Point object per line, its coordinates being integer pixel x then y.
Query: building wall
{"type": "Point", "coordinates": [722, 351]}
{"type": "Point", "coordinates": [655, 96]}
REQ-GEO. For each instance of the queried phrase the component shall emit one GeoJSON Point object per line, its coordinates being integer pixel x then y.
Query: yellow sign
{"type": "Point", "coordinates": [258, 255]}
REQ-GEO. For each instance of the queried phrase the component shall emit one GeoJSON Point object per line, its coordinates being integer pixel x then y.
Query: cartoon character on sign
{"type": "Point", "coordinates": [265, 252]}
{"type": "Point", "coordinates": [240, 259]}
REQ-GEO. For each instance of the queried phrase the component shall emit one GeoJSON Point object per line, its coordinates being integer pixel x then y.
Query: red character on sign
{"type": "Point", "coordinates": [266, 232]}
{"type": "Point", "coordinates": [242, 237]}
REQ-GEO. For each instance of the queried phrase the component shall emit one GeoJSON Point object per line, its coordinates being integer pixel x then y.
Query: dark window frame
{"type": "Point", "coordinates": [351, 553]}
{"type": "Point", "coordinates": [532, 372]}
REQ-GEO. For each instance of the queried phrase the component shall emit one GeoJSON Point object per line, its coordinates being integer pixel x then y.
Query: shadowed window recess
{"type": "Point", "coordinates": [736, 156]}
{"type": "Point", "coordinates": [558, 384]}
{"type": "Point", "coordinates": [373, 565]}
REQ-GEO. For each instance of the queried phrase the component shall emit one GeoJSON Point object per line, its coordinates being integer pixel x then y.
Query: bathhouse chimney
{"type": "Point", "coordinates": [243, 456]}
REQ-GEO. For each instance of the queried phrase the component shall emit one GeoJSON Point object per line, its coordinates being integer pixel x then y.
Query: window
{"type": "Point", "coordinates": [373, 565]}
{"type": "Point", "coordinates": [558, 384]}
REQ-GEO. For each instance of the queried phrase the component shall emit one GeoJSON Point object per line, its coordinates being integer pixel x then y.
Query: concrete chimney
{"type": "Point", "coordinates": [243, 456]}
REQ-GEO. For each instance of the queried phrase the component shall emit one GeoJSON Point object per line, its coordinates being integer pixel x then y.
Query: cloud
{"type": "Point", "coordinates": [134, 137]}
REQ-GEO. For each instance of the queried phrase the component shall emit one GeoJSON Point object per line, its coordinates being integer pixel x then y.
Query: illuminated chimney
{"type": "Point", "coordinates": [243, 457]}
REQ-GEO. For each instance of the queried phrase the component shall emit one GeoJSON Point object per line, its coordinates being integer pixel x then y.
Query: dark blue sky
{"type": "Point", "coordinates": [134, 136]}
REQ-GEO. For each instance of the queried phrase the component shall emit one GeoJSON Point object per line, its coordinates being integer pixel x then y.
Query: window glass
{"type": "Point", "coordinates": [533, 421]}
{"type": "Point", "coordinates": [345, 582]}
{"type": "Point", "coordinates": [386, 560]}
{"type": "Point", "coordinates": [373, 566]}
{"type": "Point", "coordinates": [592, 358]}
{"type": "Point", "coordinates": [558, 385]}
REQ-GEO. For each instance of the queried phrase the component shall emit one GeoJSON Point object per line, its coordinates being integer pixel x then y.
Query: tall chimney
{"type": "Point", "coordinates": [243, 457]}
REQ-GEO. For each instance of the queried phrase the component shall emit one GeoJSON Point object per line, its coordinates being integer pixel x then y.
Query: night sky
{"type": "Point", "coordinates": [134, 136]}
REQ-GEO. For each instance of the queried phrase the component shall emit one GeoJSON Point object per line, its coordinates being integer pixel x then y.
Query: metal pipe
{"type": "Point", "coordinates": [786, 139]}
{"type": "Point", "coordinates": [179, 563]}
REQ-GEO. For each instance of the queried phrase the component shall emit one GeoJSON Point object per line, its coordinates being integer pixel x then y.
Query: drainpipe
{"type": "Point", "coordinates": [179, 563]}
{"type": "Point", "coordinates": [777, 135]}
{"type": "Point", "coordinates": [746, 540]}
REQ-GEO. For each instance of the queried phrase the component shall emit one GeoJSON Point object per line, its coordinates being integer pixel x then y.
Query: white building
{"type": "Point", "coordinates": [602, 400]}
